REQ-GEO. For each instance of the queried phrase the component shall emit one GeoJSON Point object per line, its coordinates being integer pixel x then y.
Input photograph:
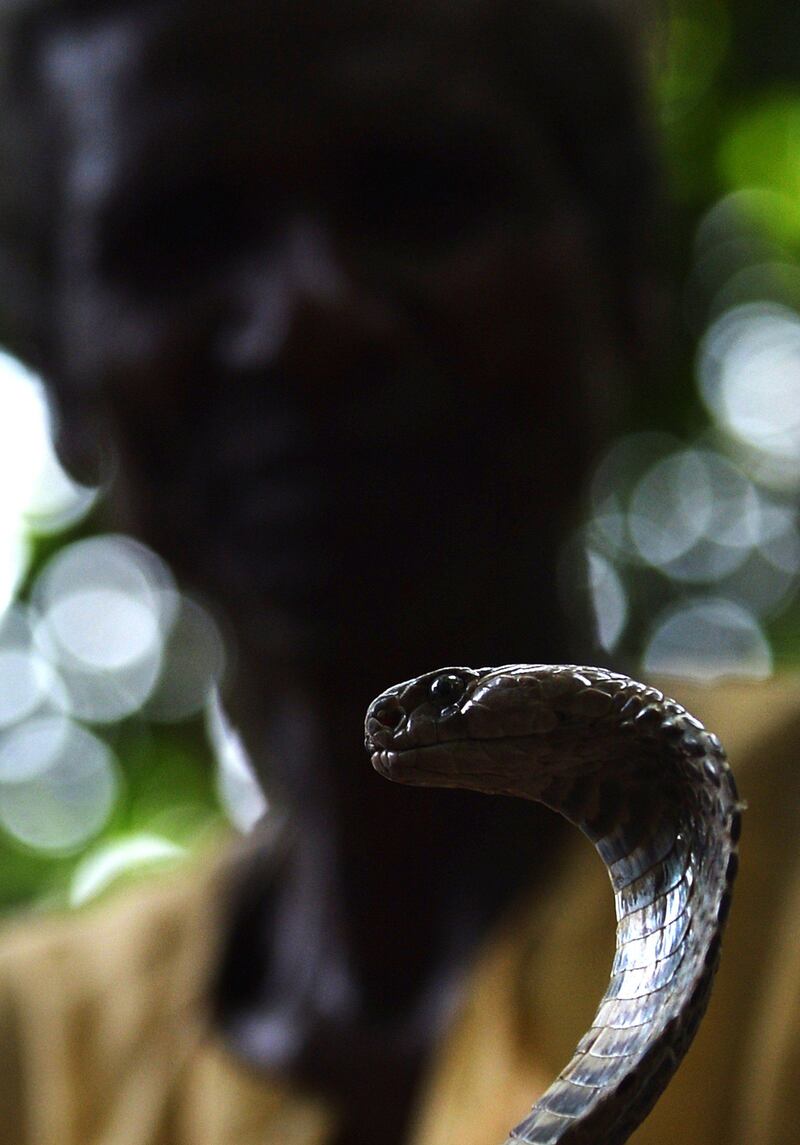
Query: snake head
{"type": "Point", "coordinates": [494, 715]}
{"type": "Point", "coordinates": [419, 713]}
{"type": "Point", "coordinates": [411, 727]}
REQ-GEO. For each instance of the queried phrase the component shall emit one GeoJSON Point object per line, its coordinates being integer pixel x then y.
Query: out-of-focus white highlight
{"type": "Point", "coordinates": [609, 602]}
{"type": "Point", "coordinates": [15, 554]}
{"type": "Point", "coordinates": [26, 682]}
{"type": "Point", "coordinates": [695, 516]}
{"type": "Point", "coordinates": [104, 608]}
{"type": "Point", "coordinates": [117, 858]}
{"type": "Point", "coordinates": [103, 628]}
{"type": "Point", "coordinates": [749, 372]}
{"type": "Point", "coordinates": [58, 783]}
{"type": "Point", "coordinates": [35, 492]}
{"type": "Point", "coordinates": [238, 788]}
{"type": "Point", "coordinates": [192, 665]}
{"type": "Point", "coordinates": [109, 562]}
{"type": "Point", "coordinates": [23, 438]}
{"type": "Point", "coordinates": [106, 634]}
{"type": "Point", "coordinates": [708, 639]}
{"type": "Point", "coordinates": [615, 477]}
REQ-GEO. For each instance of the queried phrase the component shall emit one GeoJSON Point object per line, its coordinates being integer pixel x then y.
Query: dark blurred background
{"type": "Point", "coordinates": [689, 527]}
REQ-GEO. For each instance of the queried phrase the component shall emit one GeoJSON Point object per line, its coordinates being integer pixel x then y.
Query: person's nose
{"type": "Point", "coordinates": [293, 304]}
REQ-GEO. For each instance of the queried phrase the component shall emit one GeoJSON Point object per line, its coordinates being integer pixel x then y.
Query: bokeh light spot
{"type": "Point", "coordinates": [35, 492]}
{"type": "Point", "coordinates": [609, 601]}
{"type": "Point", "coordinates": [15, 554]}
{"type": "Point", "coordinates": [29, 684]}
{"type": "Point", "coordinates": [102, 628]}
{"type": "Point", "coordinates": [749, 371]}
{"type": "Point", "coordinates": [117, 858]}
{"type": "Point", "coordinates": [192, 665]}
{"type": "Point", "coordinates": [614, 478]}
{"type": "Point", "coordinates": [24, 437]}
{"type": "Point", "coordinates": [708, 639]}
{"type": "Point", "coordinates": [695, 516]}
{"type": "Point", "coordinates": [26, 681]}
{"type": "Point", "coordinates": [104, 608]}
{"type": "Point", "coordinates": [240, 793]}
{"type": "Point", "coordinates": [58, 783]}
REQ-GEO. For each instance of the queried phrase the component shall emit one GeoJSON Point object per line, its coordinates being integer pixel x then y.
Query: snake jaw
{"type": "Point", "coordinates": [450, 763]}
{"type": "Point", "coordinates": [399, 766]}
{"type": "Point", "coordinates": [383, 762]}
{"type": "Point", "coordinates": [403, 767]}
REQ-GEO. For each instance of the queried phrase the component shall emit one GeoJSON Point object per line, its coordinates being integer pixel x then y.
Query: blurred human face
{"type": "Point", "coordinates": [323, 277]}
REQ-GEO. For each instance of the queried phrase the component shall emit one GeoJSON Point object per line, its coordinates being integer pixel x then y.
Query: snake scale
{"type": "Point", "coordinates": [653, 791]}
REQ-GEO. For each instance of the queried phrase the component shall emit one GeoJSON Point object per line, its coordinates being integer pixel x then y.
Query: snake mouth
{"type": "Point", "coordinates": [384, 762]}
{"type": "Point", "coordinates": [404, 766]}
{"type": "Point", "coordinates": [413, 765]}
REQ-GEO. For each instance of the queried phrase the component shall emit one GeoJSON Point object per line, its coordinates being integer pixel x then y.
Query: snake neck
{"type": "Point", "coordinates": [670, 851]}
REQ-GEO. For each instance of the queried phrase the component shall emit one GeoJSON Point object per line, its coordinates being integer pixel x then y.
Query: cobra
{"type": "Point", "coordinates": [652, 790]}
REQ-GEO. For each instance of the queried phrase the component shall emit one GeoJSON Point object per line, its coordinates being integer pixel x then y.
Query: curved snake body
{"type": "Point", "coordinates": [652, 790]}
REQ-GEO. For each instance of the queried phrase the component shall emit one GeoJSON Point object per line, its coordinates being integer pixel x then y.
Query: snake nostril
{"type": "Point", "coordinates": [390, 715]}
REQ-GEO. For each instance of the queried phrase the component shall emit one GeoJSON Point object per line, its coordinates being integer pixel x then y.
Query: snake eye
{"type": "Point", "coordinates": [447, 689]}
